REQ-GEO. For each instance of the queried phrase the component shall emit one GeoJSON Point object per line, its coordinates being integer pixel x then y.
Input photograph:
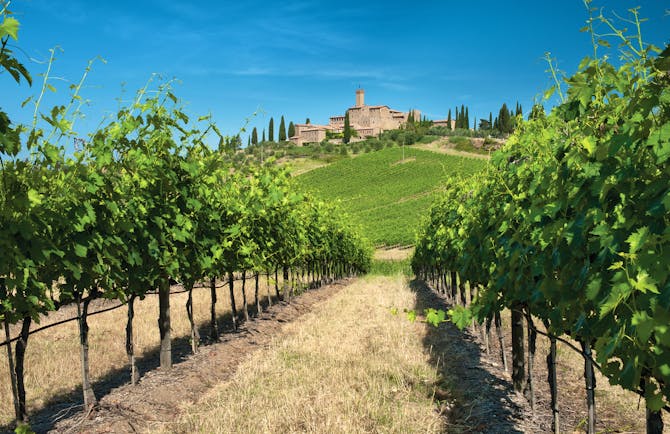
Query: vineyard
{"type": "Point", "coordinates": [146, 202]}
{"type": "Point", "coordinates": [568, 228]}
{"type": "Point", "coordinates": [387, 191]}
{"type": "Point", "coordinates": [155, 216]}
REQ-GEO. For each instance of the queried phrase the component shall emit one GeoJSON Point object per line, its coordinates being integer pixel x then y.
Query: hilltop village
{"type": "Point", "coordinates": [365, 120]}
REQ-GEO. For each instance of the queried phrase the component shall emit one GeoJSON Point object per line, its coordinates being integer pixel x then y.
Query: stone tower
{"type": "Point", "coordinates": [360, 97]}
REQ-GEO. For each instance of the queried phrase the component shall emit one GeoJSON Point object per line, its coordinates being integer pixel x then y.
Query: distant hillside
{"type": "Point", "coordinates": [385, 194]}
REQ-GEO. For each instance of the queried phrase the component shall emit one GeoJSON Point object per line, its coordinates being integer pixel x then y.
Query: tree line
{"type": "Point", "coordinates": [283, 133]}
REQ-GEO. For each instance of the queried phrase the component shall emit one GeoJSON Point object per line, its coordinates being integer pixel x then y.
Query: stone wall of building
{"type": "Point", "coordinates": [367, 121]}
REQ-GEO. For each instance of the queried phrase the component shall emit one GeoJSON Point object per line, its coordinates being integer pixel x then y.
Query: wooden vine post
{"type": "Point", "coordinates": [590, 381]}
{"type": "Point", "coordinates": [518, 355]}
{"type": "Point", "coordinates": [164, 322]}
{"type": "Point", "coordinates": [213, 323]}
{"type": "Point", "coordinates": [12, 372]}
{"type": "Point", "coordinates": [130, 341]}
{"type": "Point", "coordinates": [82, 314]}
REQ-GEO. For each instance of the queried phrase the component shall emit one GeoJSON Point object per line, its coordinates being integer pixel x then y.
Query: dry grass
{"type": "Point", "coordinates": [52, 359]}
{"type": "Point", "coordinates": [298, 166]}
{"type": "Point", "coordinates": [348, 366]}
{"type": "Point", "coordinates": [442, 146]}
{"type": "Point", "coordinates": [394, 254]}
{"type": "Point", "coordinates": [617, 410]}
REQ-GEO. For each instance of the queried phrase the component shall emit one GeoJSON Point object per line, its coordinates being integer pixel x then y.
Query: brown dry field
{"type": "Point", "coordinates": [393, 254]}
{"type": "Point", "coordinates": [54, 380]}
{"type": "Point", "coordinates": [443, 146]}
{"type": "Point", "coordinates": [335, 360]}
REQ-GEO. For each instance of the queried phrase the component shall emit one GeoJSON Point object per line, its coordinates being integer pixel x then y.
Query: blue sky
{"type": "Point", "coordinates": [306, 58]}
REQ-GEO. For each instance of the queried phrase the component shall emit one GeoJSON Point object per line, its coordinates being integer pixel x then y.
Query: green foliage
{"type": "Point", "coordinates": [460, 141]}
{"type": "Point", "coordinates": [346, 136]}
{"type": "Point", "coordinates": [537, 112]}
{"type": "Point", "coordinates": [271, 130]}
{"type": "Point", "coordinates": [23, 428]}
{"type": "Point", "coordinates": [571, 219]}
{"type": "Point", "coordinates": [282, 130]}
{"type": "Point", "coordinates": [390, 267]}
{"type": "Point", "coordinates": [505, 120]}
{"type": "Point", "coordinates": [291, 130]}
{"type": "Point", "coordinates": [435, 317]}
{"type": "Point", "coordinates": [9, 28]}
{"type": "Point", "coordinates": [384, 195]}
{"type": "Point", "coordinates": [143, 200]}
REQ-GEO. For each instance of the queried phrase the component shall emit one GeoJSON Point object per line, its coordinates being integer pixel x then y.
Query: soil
{"type": "Point", "coordinates": [160, 394]}
{"type": "Point", "coordinates": [474, 393]}
{"type": "Point", "coordinates": [473, 372]}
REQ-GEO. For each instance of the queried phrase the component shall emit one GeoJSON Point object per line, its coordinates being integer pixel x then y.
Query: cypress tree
{"type": "Point", "coordinates": [271, 130]}
{"type": "Point", "coordinates": [462, 117]}
{"type": "Point", "coordinates": [466, 119]}
{"type": "Point", "coordinates": [291, 129]}
{"type": "Point", "coordinates": [474, 125]}
{"type": "Point", "coordinates": [504, 119]}
{"type": "Point", "coordinates": [449, 119]}
{"type": "Point", "coordinates": [490, 120]}
{"type": "Point", "coordinates": [512, 122]}
{"type": "Point", "coordinates": [282, 130]}
{"type": "Point", "coordinates": [263, 139]}
{"type": "Point", "coordinates": [347, 129]}
{"type": "Point", "coordinates": [254, 136]}
{"type": "Point", "coordinates": [237, 142]}
{"type": "Point", "coordinates": [307, 121]}
{"type": "Point", "coordinates": [248, 141]}
{"type": "Point", "coordinates": [410, 117]}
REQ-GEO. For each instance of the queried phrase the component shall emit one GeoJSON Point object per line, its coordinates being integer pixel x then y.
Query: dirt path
{"type": "Point", "coordinates": [160, 394]}
{"type": "Point", "coordinates": [458, 385]}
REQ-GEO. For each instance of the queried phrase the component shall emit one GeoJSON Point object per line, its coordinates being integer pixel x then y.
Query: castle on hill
{"type": "Point", "coordinates": [366, 120]}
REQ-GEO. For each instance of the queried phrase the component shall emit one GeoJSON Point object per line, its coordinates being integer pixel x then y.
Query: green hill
{"type": "Point", "coordinates": [384, 193]}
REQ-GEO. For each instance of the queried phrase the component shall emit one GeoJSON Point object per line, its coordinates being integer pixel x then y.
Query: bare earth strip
{"type": "Point", "coordinates": [394, 253]}
{"type": "Point", "coordinates": [441, 147]}
{"type": "Point", "coordinates": [158, 397]}
{"type": "Point", "coordinates": [336, 359]}
{"type": "Point", "coordinates": [351, 365]}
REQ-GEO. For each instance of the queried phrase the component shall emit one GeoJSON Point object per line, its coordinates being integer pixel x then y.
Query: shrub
{"type": "Point", "coordinates": [428, 138]}
{"type": "Point", "coordinates": [460, 141]}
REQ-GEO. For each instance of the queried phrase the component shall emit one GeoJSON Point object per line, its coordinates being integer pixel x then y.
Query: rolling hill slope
{"type": "Point", "coordinates": [385, 194]}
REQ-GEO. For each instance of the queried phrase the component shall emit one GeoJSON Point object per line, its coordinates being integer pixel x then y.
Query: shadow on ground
{"type": "Point", "coordinates": [67, 405]}
{"type": "Point", "coordinates": [471, 398]}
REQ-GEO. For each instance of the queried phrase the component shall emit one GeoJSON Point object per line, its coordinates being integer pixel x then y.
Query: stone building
{"type": "Point", "coordinates": [366, 120]}
{"type": "Point", "coordinates": [445, 123]}
{"type": "Point", "coordinates": [309, 133]}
